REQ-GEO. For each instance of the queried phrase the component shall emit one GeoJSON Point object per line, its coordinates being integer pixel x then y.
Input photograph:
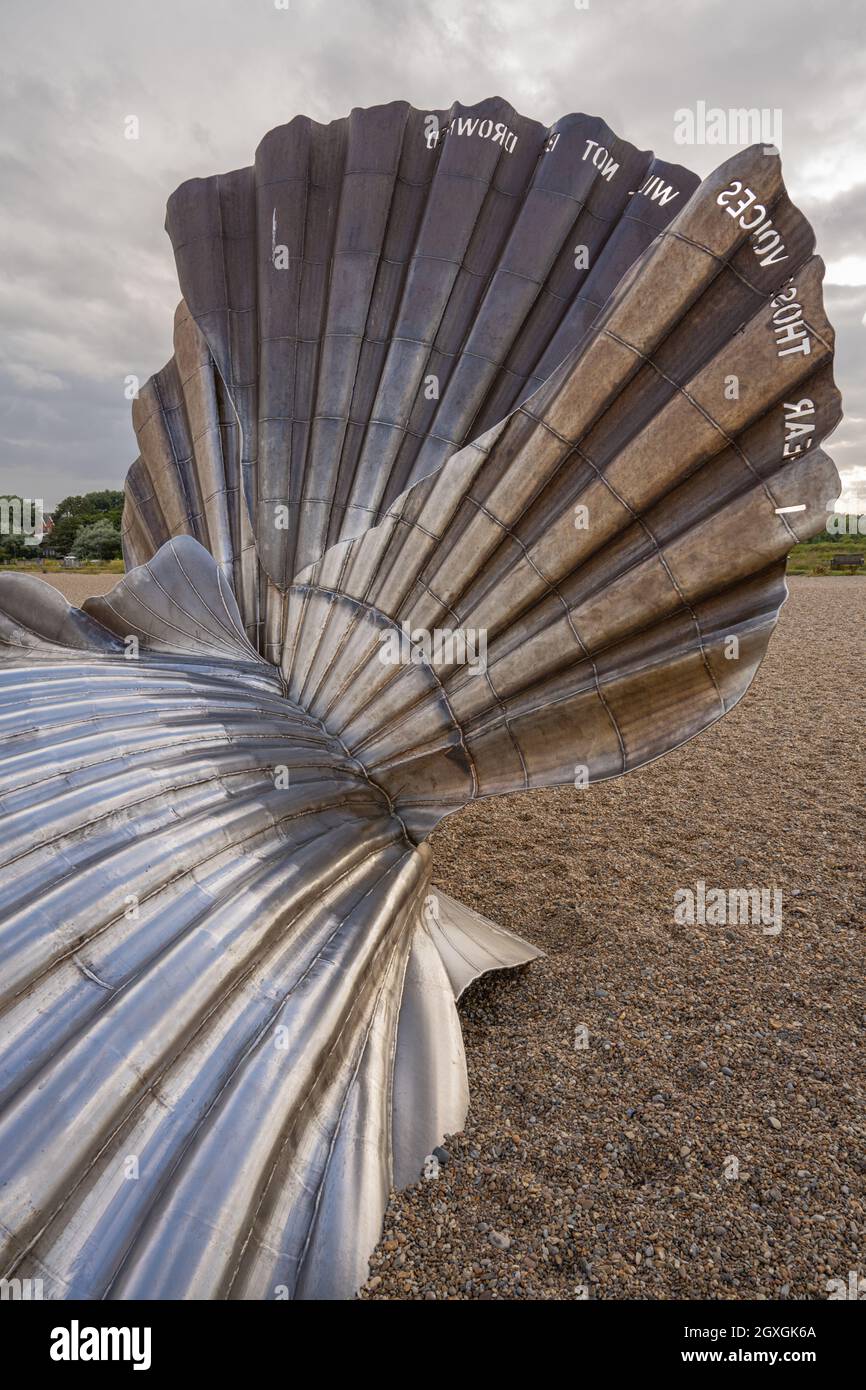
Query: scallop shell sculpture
{"type": "Point", "coordinates": [479, 444]}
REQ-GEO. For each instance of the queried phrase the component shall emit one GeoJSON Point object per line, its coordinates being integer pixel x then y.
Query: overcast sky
{"type": "Point", "coordinates": [88, 281]}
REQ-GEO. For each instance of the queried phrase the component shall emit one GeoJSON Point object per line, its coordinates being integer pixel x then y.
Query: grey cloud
{"type": "Point", "coordinates": [841, 221]}
{"type": "Point", "coordinates": [89, 286]}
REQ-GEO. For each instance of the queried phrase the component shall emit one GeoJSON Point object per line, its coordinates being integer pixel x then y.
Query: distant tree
{"type": "Point", "coordinates": [77, 511]}
{"type": "Point", "coordinates": [97, 541]}
{"type": "Point", "coordinates": [13, 548]}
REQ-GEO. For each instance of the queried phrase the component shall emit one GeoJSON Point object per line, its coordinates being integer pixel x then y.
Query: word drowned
{"type": "Point", "coordinates": [767, 244]}
{"type": "Point", "coordinates": [473, 125]}
{"type": "Point", "coordinates": [602, 159]}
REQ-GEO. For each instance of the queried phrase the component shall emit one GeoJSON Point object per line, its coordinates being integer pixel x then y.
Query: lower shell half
{"type": "Point", "coordinates": [228, 1016]}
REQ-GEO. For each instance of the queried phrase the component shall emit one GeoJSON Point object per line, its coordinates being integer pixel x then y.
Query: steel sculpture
{"type": "Point", "coordinates": [475, 467]}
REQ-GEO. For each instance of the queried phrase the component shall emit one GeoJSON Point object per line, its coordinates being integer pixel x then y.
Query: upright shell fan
{"type": "Point", "coordinates": [480, 443]}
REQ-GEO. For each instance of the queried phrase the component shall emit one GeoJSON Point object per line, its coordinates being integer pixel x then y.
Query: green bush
{"type": "Point", "coordinates": [99, 540]}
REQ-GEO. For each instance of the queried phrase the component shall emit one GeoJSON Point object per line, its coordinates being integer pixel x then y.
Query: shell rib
{"type": "Point", "coordinates": [606, 643]}
{"type": "Point", "coordinates": [403, 262]}
{"type": "Point", "coordinates": [227, 1004]}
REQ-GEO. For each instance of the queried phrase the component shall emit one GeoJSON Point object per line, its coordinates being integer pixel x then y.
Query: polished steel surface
{"type": "Point", "coordinates": [403, 402]}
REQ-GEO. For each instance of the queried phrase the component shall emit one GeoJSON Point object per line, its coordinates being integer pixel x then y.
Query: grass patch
{"type": "Point", "coordinates": [814, 557]}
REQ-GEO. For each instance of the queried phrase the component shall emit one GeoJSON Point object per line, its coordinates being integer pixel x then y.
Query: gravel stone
{"type": "Point", "coordinates": [684, 1012]}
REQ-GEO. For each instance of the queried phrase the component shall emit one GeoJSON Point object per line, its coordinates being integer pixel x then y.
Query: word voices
{"type": "Point", "coordinates": [753, 217]}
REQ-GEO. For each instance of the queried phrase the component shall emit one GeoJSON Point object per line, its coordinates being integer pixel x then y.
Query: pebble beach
{"type": "Point", "coordinates": [663, 1110]}
{"type": "Point", "coordinates": [666, 1111]}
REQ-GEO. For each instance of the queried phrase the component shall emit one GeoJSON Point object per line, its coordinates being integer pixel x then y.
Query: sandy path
{"type": "Point", "coordinates": [77, 587]}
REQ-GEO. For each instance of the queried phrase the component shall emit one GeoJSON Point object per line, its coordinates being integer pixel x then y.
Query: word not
{"type": "Point", "coordinates": [759, 224]}
{"type": "Point", "coordinates": [471, 125]}
{"type": "Point", "coordinates": [603, 161]}
{"type": "Point", "coordinates": [456, 646]}
{"type": "Point", "coordinates": [715, 907]}
{"type": "Point", "coordinates": [76, 1343]}
{"type": "Point", "coordinates": [737, 126]}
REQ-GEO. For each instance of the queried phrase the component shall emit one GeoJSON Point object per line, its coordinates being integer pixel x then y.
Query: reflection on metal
{"type": "Point", "coordinates": [474, 470]}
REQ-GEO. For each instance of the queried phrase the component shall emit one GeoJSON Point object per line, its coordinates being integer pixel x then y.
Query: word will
{"type": "Point", "coordinates": [658, 191]}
